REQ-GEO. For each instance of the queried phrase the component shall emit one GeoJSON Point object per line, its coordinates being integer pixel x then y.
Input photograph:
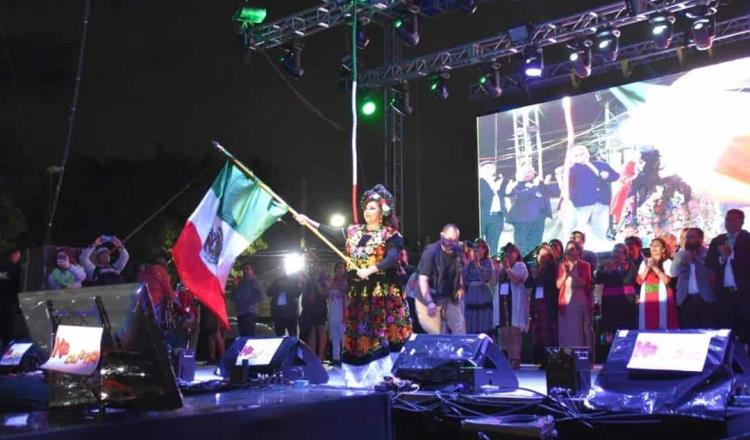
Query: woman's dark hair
{"type": "Point", "coordinates": [666, 254]}
{"type": "Point", "coordinates": [511, 248]}
{"type": "Point", "coordinates": [479, 243]}
{"type": "Point", "coordinates": [384, 199]}
{"type": "Point", "coordinates": [548, 248]}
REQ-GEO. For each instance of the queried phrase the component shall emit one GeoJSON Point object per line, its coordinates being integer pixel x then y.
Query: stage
{"type": "Point", "coordinates": [333, 411]}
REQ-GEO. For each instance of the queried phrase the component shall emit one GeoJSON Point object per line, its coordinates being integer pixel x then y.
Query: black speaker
{"type": "Point", "coordinates": [624, 384]}
{"type": "Point", "coordinates": [471, 363]}
{"type": "Point", "coordinates": [20, 356]}
{"type": "Point", "coordinates": [288, 356]}
{"type": "Point", "coordinates": [183, 361]}
{"type": "Point", "coordinates": [568, 370]}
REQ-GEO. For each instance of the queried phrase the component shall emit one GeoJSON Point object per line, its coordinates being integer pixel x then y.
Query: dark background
{"type": "Point", "coordinates": [161, 79]}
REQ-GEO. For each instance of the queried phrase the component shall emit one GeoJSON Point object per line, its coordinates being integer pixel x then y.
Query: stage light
{"type": "Point", "coordinates": [608, 43]}
{"type": "Point", "coordinates": [294, 263]}
{"type": "Point", "coordinates": [468, 6]}
{"type": "Point", "coordinates": [439, 85]}
{"type": "Point", "coordinates": [703, 26]}
{"type": "Point", "coordinates": [291, 60]}
{"type": "Point", "coordinates": [534, 61]}
{"type": "Point", "coordinates": [337, 220]}
{"type": "Point", "coordinates": [579, 55]}
{"type": "Point", "coordinates": [401, 100]}
{"type": "Point", "coordinates": [662, 29]}
{"type": "Point", "coordinates": [248, 15]}
{"type": "Point", "coordinates": [490, 80]}
{"type": "Point", "coordinates": [407, 28]}
{"type": "Point", "coordinates": [362, 39]}
{"type": "Point", "coordinates": [368, 105]}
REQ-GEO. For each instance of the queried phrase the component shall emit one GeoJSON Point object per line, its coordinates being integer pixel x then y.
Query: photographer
{"type": "Point", "coordinates": [96, 260]}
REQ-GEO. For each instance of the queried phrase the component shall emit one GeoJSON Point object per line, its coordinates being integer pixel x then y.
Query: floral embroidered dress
{"type": "Point", "coordinates": [377, 316]}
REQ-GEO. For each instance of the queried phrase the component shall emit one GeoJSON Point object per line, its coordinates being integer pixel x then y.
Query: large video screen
{"type": "Point", "coordinates": [646, 158]}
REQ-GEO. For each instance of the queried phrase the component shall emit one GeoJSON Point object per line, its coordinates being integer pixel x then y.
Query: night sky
{"type": "Point", "coordinates": [163, 78]}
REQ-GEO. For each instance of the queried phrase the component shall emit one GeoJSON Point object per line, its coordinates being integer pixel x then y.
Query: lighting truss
{"type": "Point", "coordinates": [585, 24]}
{"type": "Point", "coordinates": [332, 13]}
{"type": "Point", "coordinates": [728, 31]}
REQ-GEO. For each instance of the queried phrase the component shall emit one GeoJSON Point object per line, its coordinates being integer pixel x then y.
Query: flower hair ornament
{"type": "Point", "coordinates": [381, 195]}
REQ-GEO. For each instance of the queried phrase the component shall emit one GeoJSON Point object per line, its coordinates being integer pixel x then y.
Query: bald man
{"type": "Point", "coordinates": [440, 285]}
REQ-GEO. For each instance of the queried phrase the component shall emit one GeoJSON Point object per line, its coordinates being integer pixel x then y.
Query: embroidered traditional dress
{"type": "Point", "coordinates": [377, 316]}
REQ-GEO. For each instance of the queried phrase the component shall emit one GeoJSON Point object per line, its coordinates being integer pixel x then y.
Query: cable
{"type": "Point", "coordinates": [299, 95]}
{"type": "Point", "coordinates": [71, 119]}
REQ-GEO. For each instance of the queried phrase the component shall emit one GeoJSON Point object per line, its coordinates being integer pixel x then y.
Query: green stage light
{"type": "Point", "coordinates": [368, 107]}
{"type": "Point", "coordinates": [251, 15]}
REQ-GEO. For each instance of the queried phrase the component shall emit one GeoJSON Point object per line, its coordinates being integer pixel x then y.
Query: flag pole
{"type": "Point", "coordinates": [273, 194]}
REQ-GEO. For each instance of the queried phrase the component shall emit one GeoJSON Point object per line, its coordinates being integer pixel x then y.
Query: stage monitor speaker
{"type": "Point", "coordinates": [288, 356]}
{"type": "Point", "coordinates": [680, 372]}
{"type": "Point", "coordinates": [184, 364]}
{"type": "Point", "coordinates": [471, 363]}
{"type": "Point", "coordinates": [568, 370]}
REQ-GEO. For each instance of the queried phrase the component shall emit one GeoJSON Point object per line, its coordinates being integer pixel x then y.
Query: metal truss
{"type": "Point", "coordinates": [735, 29]}
{"type": "Point", "coordinates": [393, 172]}
{"type": "Point", "coordinates": [333, 13]}
{"type": "Point", "coordinates": [550, 33]}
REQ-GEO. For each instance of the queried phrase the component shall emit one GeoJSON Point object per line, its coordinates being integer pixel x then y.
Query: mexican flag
{"type": "Point", "coordinates": [233, 214]}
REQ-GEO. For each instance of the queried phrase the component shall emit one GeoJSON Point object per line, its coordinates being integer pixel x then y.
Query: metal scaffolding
{"type": "Point", "coordinates": [728, 31]}
{"type": "Point", "coordinates": [394, 129]}
{"type": "Point", "coordinates": [498, 47]}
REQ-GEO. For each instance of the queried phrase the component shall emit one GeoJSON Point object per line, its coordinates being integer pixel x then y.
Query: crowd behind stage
{"type": "Point", "coordinates": [558, 295]}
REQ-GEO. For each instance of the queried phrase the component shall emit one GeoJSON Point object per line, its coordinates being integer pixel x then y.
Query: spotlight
{"type": "Point", "coordinates": [608, 43]}
{"type": "Point", "coordinates": [401, 100]}
{"type": "Point", "coordinates": [247, 15]}
{"type": "Point", "coordinates": [468, 6]}
{"type": "Point", "coordinates": [291, 60]}
{"type": "Point", "coordinates": [703, 26]}
{"type": "Point", "coordinates": [439, 85]}
{"type": "Point", "coordinates": [345, 71]}
{"type": "Point", "coordinates": [490, 80]}
{"type": "Point", "coordinates": [368, 106]}
{"type": "Point", "coordinates": [579, 56]}
{"type": "Point", "coordinates": [294, 263]}
{"type": "Point", "coordinates": [662, 29]}
{"type": "Point", "coordinates": [407, 28]}
{"type": "Point", "coordinates": [534, 61]}
{"type": "Point", "coordinates": [362, 39]}
{"type": "Point", "coordinates": [337, 220]}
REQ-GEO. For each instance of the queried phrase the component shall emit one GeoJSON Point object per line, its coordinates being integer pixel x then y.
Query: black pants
{"type": "Point", "coordinates": [246, 324]}
{"type": "Point", "coordinates": [282, 325]}
{"type": "Point", "coordinates": [415, 326]}
{"type": "Point", "coordinates": [695, 312]}
{"type": "Point", "coordinates": [492, 226]}
{"type": "Point", "coordinates": [735, 312]}
{"type": "Point", "coordinates": [8, 315]}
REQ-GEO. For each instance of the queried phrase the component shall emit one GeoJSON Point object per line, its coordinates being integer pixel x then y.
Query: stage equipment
{"type": "Point", "coordinates": [407, 27]}
{"type": "Point", "coordinates": [568, 370]}
{"type": "Point", "coordinates": [608, 43]}
{"type": "Point", "coordinates": [401, 100]}
{"type": "Point", "coordinates": [534, 61]}
{"type": "Point", "coordinates": [489, 81]}
{"type": "Point", "coordinates": [662, 30]}
{"type": "Point", "coordinates": [249, 357]}
{"type": "Point", "coordinates": [184, 364]}
{"type": "Point", "coordinates": [250, 15]}
{"type": "Point", "coordinates": [293, 263]}
{"type": "Point", "coordinates": [291, 60]}
{"type": "Point", "coordinates": [134, 369]}
{"type": "Point", "coordinates": [685, 372]}
{"type": "Point", "coordinates": [439, 85]}
{"type": "Point", "coordinates": [579, 55]}
{"type": "Point", "coordinates": [703, 26]}
{"type": "Point", "coordinates": [468, 363]}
